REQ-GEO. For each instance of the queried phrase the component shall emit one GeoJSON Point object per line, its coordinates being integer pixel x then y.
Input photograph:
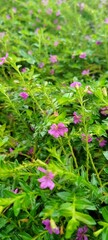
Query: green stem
{"type": "Point", "coordinates": [97, 174]}
{"type": "Point", "coordinates": [73, 155]}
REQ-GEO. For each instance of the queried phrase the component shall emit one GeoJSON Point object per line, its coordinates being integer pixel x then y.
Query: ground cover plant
{"type": "Point", "coordinates": [53, 120]}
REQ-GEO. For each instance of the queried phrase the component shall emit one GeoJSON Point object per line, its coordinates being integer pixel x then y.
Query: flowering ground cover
{"type": "Point", "coordinates": [53, 120]}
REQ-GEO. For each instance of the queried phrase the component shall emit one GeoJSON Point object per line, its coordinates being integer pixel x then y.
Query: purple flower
{"type": "Point", "coordinates": [14, 9]}
{"type": "Point", "coordinates": [98, 42]}
{"type": "Point", "coordinates": [15, 191]}
{"type": "Point", "coordinates": [24, 95]}
{"type": "Point", "coordinates": [89, 138]}
{"type": "Point", "coordinates": [30, 151]}
{"type": "Point", "coordinates": [58, 27]}
{"type": "Point", "coordinates": [85, 72]}
{"type": "Point", "coordinates": [104, 111]}
{"type": "Point", "coordinates": [59, 2]}
{"type": "Point", "coordinates": [41, 65]}
{"type": "Point", "coordinates": [11, 150]}
{"type": "Point", "coordinates": [56, 43]}
{"type": "Point", "coordinates": [58, 13]}
{"type": "Point", "coordinates": [36, 30]}
{"type": "Point", "coordinates": [81, 6]}
{"type": "Point", "coordinates": [53, 59]}
{"type": "Point", "coordinates": [55, 21]}
{"type": "Point", "coordinates": [3, 59]}
{"type": "Point", "coordinates": [76, 118]}
{"type": "Point", "coordinates": [87, 37]}
{"type": "Point", "coordinates": [2, 34]}
{"type": "Point", "coordinates": [75, 84]}
{"type": "Point", "coordinates": [24, 69]}
{"type": "Point", "coordinates": [106, 21]}
{"type": "Point", "coordinates": [88, 90]}
{"type": "Point", "coordinates": [102, 142]}
{"type": "Point", "coordinates": [45, 2]}
{"type": "Point", "coordinates": [82, 55]}
{"type": "Point", "coordinates": [51, 226]}
{"type": "Point", "coordinates": [81, 233]}
{"type": "Point", "coordinates": [49, 11]}
{"type": "Point", "coordinates": [58, 130]}
{"type": "Point", "coordinates": [52, 71]}
{"type": "Point", "coordinates": [46, 181]}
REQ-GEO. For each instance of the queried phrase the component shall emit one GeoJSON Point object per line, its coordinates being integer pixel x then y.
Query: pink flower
{"type": "Point", "coordinates": [106, 21]}
{"type": "Point", "coordinates": [53, 59]}
{"type": "Point", "coordinates": [24, 69]}
{"type": "Point", "coordinates": [58, 130]}
{"type": "Point", "coordinates": [55, 21]}
{"type": "Point", "coordinates": [11, 150]}
{"type": "Point", "coordinates": [102, 142]}
{"type": "Point", "coordinates": [81, 6]}
{"type": "Point", "coordinates": [88, 90]}
{"type": "Point", "coordinates": [24, 95]}
{"type": "Point", "coordinates": [15, 191]}
{"type": "Point", "coordinates": [45, 2]}
{"type": "Point", "coordinates": [41, 65]}
{"type": "Point", "coordinates": [82, 55]}
{"type": "Point", "coordinates": [58, 13]}
{"type": "Point", "coordinates": [52, 71]}
{"type": "Point", "coordinates": [46, 181]}
{"type": "Point", "coordinates": [30, 151]}
{"type": "Point", "coordinates": [76, 118]}
{"type": "Point", "coordinates": [85, 72]}
{"type": "Point", "coordinates": [30, 52]}
{"type": "Point", "coordinates": [2, 34]}
{"type": "Point", "coordinates": [88, 137]}
{"type": "Point", "coordinates": [104, 111]}
{"type": "Point", "coordinates": [59, 2]}
{"type": "Point", "coordinates": [14, 9]}
{"type": "Point", "coordinates": [36, 31]}
{"type": "Point", "coordinates": [8, 16]}
{"type": "Point", "coordinates": [75, 84]}
{"type": "Point", "coordinates": [49, 11]}
{"type": "Point", "coordinates": [58, 27]}
{"type": "Point", "coordinates": [87, 37]}
{"type": "Point", "coordinates": [51, 226]}
{"type": "Point", "coordinates": [56, 43]}
{"type": "Point", "coordinates": [3, 59]}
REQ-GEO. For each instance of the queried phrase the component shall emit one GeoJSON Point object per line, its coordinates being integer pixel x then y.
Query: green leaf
{"type": "Point", "coordinates": [105, 234]}
{"type": "Point", "coordinates": [85, 218]}
{"type": "Point", "coordinates": [17, 207]}
{"type": "Point", "coordinates": [105, 153]}
{"type": "Point", "coordinates": [66, 210]}
{"type": "Point", "coordinates": [84, 204]}
{"type": "Point", "coordinates": [80, 203]}
{"type": "Point", "coordinates": [66, 196]}
{"type": "Point", "coordinates": [3, 222]}
{"type": "Point", "coordinates": [96, 234]}
{"type": "Point", "coordinates": [71, 227]}
{"type": "Point", "coordinates": [25, 236]}
{"type": "Point", "coordinates": [105, 213]}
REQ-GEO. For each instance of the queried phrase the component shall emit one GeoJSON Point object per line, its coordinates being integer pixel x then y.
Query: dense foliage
{"type": "Point", "coordinates": [53, 119]}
